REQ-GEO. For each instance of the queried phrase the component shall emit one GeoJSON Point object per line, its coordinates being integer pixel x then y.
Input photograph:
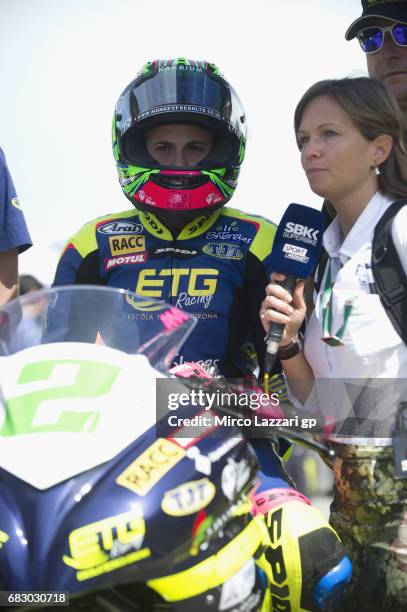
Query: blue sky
{"type": "Point", "coordinates": [64, 63]}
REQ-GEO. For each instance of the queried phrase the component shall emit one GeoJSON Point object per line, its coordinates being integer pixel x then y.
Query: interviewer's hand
{"type": "Point", "coordinates": [280, 307]}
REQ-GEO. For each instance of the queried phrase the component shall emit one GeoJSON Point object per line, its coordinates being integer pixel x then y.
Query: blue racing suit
{"type": "Point", "coordinates": [216, 268]}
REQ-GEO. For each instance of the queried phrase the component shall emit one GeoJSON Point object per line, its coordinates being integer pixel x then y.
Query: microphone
{"type": "Point", "coordinates": [296, 248]}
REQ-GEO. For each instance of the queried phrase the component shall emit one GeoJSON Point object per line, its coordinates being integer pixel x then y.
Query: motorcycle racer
{"type": "Point", "coordinates": [179, 135]}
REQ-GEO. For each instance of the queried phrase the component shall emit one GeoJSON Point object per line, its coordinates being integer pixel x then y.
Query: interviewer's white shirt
{"type": "Point", "coordinates": [371, 348]}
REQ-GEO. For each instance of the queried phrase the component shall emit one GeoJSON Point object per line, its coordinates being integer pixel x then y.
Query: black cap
{"type": "Point", "coordinates": [393, 10]}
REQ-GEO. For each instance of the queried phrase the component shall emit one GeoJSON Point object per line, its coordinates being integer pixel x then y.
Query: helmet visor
{"type": "Point", "coordinates": [188, 91]}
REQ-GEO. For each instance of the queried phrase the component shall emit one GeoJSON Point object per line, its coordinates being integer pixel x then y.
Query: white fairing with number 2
{"type": "Point", "coordinates": [90, 398]}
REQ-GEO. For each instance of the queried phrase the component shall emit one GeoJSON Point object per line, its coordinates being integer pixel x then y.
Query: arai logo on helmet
{"type": "Point", "coordinates": [120, 227]}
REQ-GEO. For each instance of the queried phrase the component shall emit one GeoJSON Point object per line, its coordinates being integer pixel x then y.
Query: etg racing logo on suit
{"type": "Point", "coordinates": [121, 245]}
{"type": "Point", "coordinates": [120, 227]}
{"type": "Point", "coordinates": [223, 250]}
{"type": "Point", "coordinates": [191, 286]}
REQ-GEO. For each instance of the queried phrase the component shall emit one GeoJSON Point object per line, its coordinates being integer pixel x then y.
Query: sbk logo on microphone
{"type": "Point", "coordinates": [301, 233]}
{"type": "Point", "coordinates": [301, 230]}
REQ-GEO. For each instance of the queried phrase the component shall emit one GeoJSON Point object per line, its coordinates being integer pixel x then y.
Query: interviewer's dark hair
{"type": "Point", "coordinates": [374, 111]}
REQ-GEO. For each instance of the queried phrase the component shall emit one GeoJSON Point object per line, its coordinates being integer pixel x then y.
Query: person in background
{"type": "Point", "coordinates": [29, 283]}
{"type": "Point", "coordinates": [382, 33]}
{"type": "Point", "coordinates": [30, 328]}
{"type": "Point", "coordinates": [14, 236]}
{"type": "Point", "coordinates": [351, 135]}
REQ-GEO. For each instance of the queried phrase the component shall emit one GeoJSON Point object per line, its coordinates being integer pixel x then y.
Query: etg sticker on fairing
{"type": "Point", "coordinates": [106, 545]}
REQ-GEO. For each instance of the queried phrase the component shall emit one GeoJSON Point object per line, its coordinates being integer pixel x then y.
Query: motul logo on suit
{"type": "Point", "coordinates": [125, 259]}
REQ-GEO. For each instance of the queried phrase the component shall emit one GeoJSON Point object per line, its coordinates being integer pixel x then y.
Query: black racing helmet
{"type": "Point", "coordinates": [187, 92]}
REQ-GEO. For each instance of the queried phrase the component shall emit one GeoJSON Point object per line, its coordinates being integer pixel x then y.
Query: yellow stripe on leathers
{"type": "Point", "coordinates": [286, 523]}
{"type": "Point", "coordinates": [263, 241]}
{"type": "Point", "coordinates": [215, 570]}
{"type": "Point", "coordinates": [84, 240]}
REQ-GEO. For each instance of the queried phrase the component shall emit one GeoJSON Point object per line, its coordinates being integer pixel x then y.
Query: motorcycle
{"type": "Point", "coordinates": [110, 504]}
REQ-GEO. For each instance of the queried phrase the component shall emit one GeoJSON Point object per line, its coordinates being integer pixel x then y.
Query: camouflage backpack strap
{"type": "Point", "coordinates": [389, 278]}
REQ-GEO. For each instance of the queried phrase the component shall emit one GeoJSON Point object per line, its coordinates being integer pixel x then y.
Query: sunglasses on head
{"type": "Point", "coordinates": [371, 39]}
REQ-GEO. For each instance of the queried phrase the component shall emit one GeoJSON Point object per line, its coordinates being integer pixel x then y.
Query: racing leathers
{"type": "Point", "coordinates": [216, 268]}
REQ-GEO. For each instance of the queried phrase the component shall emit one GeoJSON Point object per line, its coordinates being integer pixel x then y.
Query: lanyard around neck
{"type": "Point", "coordinates": [328, 337]}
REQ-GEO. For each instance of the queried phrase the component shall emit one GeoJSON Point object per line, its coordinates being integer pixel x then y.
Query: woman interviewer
{"type": "Point", "coordinates": [352, 139]}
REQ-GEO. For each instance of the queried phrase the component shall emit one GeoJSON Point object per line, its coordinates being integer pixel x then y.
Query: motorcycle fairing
{"type": "Point", "coordinates": [70, 407]}
{"type": "Point", "coordinates": [89, 531]}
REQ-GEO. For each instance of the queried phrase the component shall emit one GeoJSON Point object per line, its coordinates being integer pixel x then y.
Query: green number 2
{"type": "Point", "coordinates": [31, 413]}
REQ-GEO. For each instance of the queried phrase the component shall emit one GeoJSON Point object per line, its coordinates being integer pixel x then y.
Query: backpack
{"type": "Point", "coordinates": [390, 281]}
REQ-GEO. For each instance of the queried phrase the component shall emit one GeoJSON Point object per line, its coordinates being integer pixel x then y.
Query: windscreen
{"type": "Point", "coordinates": [96, 315]}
